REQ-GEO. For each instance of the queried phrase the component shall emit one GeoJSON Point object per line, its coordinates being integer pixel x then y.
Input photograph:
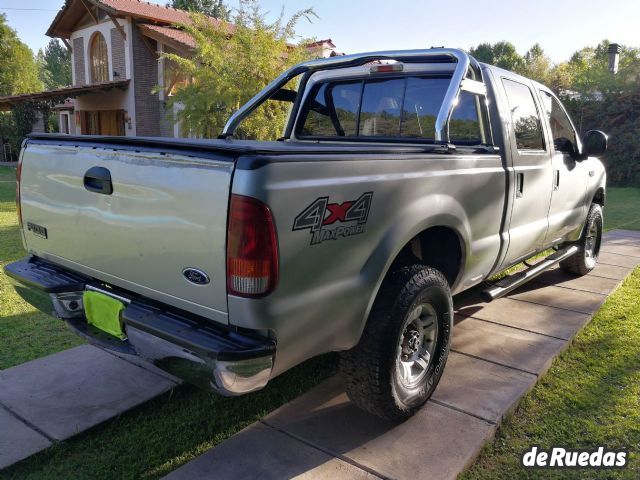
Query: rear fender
{"type": "Point", "coordinates": [443, 211]}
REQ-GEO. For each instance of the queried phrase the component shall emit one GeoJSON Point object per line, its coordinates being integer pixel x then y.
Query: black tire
{"type": "Point", "coordinates": [588, 246]}
{"type": "Point", "coordinates": [378, 369]}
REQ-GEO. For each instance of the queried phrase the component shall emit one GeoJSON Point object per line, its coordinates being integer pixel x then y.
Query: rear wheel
{"type": "Point", "coordinates": [588, 246]}
{"type": "Point", "coordinates": [403, 350]}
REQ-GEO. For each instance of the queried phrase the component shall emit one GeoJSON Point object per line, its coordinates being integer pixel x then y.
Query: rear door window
{"type": "Point", "coordinates": [524, 116]}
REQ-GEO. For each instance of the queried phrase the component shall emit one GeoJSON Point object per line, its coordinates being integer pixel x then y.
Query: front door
{"type": "Point", "coordinates": [102, 122]}
{"type": "Point", "coordinates": [567, 209]}
{"type": "Point", "coordinates": [532, 173]}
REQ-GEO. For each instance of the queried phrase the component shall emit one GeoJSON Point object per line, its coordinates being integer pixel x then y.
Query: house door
{"type": "Point", "coordinates": [103, 122]}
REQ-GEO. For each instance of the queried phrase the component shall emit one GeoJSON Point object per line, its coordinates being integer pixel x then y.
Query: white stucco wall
{"type": "Point", "coordinates": [113, 99]}
{"type": "Point", "coordinates": [104, 28]}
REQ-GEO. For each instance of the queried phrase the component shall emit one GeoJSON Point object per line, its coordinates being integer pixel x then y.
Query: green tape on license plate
{"type": "Point", "coordinates": [103, 312]}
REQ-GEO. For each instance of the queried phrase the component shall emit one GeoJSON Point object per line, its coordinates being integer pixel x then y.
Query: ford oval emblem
{"type": "Point", "coordinates": [196, 276]}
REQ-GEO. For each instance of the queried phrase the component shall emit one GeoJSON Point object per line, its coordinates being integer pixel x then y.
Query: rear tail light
{"type": "Point", "coordinates": [252, 248]}
{"type": "Point", "coordinates": [18, 176]}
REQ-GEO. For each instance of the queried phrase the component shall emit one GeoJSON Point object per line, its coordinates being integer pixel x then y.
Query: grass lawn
{"type": "Point", "coordinates": [622, 209]}
{"type": "Point", "coordinates": [590, 397]}
{"type": "Point", "coordinates": [591, 392]}
{"type": "Point", "coordinates": [25, 333]}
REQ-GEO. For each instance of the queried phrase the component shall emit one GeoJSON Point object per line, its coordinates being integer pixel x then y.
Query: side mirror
{"type": "Point", "coordinates": [594, 143]}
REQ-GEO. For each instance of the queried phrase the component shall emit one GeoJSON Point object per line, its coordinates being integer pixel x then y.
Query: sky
{"type": "Point", "coordinates": [560, 26]}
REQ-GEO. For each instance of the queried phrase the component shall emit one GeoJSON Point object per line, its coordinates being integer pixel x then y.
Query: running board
{"type": "Point", "coordinates": [511, 282]}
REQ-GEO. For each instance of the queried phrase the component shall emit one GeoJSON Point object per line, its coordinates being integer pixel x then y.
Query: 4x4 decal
{"type": "Point", "coordinates": [321, 217]}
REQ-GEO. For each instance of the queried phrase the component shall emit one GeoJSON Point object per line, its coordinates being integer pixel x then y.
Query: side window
{"type": "Point", "coordinates": [524, 116]}
{"type": "Point", "coordinates": [564, 136]}
{"type": "Point", "coordinates": [333, 111]}
{"type": "Point", "coordinates": [381, 107]}
{"type": "Point", "coordinates": [465, 125]}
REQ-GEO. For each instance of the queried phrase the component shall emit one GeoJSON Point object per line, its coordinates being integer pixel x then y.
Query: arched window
{"type": "Point", "coordinates": [99, 59]}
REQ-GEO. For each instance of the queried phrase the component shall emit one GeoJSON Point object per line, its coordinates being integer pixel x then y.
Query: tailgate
{"type": "Point", "coordinates": [167, 213]}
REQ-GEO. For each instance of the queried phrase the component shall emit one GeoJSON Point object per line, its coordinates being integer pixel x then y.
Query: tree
{"type": "Point", "coordinates": [537, 65]}
{"type": "Point", "coordinates": [213, 8]}
{"type": "Point", "coordinates": [231, 63]}
{"type": "Point", "coordinates": [597, 99]}
{"type": "Point", "coordinates": [55, 65]}
{"type": "Point", "coordinates": [18, 68]}
{"type": "Point", "coordinates": [590, 68]}
{"type": "Point", "coordinates": [18, 74]}
{"type": "Point", "coordinates": [501, 54]}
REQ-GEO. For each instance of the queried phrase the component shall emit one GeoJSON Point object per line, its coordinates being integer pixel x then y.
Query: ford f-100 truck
{"type": "Point", "coordinates": [401, 178]}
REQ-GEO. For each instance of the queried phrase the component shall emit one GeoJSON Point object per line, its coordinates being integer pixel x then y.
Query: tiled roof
{"type": "Point", "coordinates": [73, 10]}
{"type": "Point", "coordinates": [319, 43]}
{"type": "Point", "coordinates": [157, 20]}
{"type": "Point", "coordinates": [149, 11]}
{"type": "Point", "coordinates": [168, 34]}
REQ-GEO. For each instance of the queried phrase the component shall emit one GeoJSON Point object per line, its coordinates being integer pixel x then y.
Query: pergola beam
{"type": "Point", "coordinates": [95, 19]}
{"type": "Point", "coordinates": [67, 44]}
{"type": "Point", "coordinates": [118, 26]}
{"type": "Point", "coordinates": [146, 43]}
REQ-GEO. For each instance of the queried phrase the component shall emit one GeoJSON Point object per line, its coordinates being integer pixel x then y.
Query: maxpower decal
{"type": "Point", "coordinates": [332, 221]}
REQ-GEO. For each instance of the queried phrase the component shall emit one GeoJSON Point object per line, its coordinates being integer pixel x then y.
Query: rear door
{"type": "Point", "coordinates": [567, 209]}
{"type": "Point", "coordinates": [532, 173]}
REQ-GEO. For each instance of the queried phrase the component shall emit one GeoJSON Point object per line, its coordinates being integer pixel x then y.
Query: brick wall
{"type": "Point", "coordinates": [166, 121]}
{"type": "Point", "coordinates": [117, 55]}
{"type": "Point", "coordinates": [145, 73]}
{"type": "Point", "coordinates": [78, 60]}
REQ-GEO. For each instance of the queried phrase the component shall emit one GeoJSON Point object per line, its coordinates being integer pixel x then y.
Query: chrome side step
{"type": "Point", "coordinates": [510, 283]}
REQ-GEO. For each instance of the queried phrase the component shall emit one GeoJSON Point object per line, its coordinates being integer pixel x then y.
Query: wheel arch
{"type": "Point", "coordinates": [600, 196]}
{"type": "Point", "coordinates": [400, 250]}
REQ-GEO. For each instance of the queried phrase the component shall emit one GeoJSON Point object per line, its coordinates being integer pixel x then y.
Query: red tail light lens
{"type": "Point", "coordinates": [252, 248]}
{"type": "Point", "coordinates": [18, 175]}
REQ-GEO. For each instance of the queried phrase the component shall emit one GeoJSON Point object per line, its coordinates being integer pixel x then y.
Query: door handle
{"type": "Point", "coordinates": [556, 179]}
{"type": "Point", "coordinates": [98, 180]}
{"type": "Point", "coordinates": [519, 185]}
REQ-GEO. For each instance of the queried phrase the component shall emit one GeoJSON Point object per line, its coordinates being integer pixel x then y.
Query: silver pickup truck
{"type": "Point", "coordinates": [402, 178]}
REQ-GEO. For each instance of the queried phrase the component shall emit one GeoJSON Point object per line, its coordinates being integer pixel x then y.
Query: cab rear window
{"type": "Point", "coordinates": [391, 108]}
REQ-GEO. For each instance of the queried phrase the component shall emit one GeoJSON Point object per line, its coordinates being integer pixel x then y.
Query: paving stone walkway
{"type": "Point", "coordinates": [56, 397]}
{"type": "Point", "coordinates": [499, 352]}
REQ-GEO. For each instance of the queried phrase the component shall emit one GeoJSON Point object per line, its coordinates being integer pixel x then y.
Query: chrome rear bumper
{"type": "Point", "coordinates": [227, 361]}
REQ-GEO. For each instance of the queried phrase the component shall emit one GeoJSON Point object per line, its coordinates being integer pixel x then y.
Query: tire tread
{"type": "Point", "coordinates": [367, 378]}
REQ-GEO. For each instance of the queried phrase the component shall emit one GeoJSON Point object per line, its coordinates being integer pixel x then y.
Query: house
{"type": "Point", "coordinates": [120, 81]}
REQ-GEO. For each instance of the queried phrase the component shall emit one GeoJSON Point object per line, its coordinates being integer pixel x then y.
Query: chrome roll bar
{"type": "Point", "coordinates": [459, 81]}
